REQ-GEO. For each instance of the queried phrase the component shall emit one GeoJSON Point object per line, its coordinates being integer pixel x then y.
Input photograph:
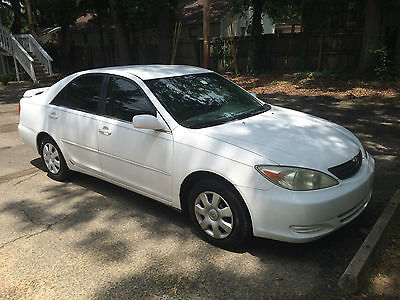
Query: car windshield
{"type": "Point", "coordinates": [203, 100]}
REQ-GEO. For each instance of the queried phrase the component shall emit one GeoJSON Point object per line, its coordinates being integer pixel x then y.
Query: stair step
{"type": "Point", "coordinates": [41, 74]}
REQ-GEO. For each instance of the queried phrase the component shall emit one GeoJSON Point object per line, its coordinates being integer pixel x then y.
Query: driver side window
{"type": "Point", "coordinates": [125, 99]}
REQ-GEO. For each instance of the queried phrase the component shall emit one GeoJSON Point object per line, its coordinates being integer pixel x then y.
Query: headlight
{"type": "Point", "coordinates": [297, 179]}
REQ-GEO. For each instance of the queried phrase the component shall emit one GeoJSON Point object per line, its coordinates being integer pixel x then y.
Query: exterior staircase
{"type": "Point", "coordinates": [42, 76]}
{"type": "Point", "coordinates": [28, 53]}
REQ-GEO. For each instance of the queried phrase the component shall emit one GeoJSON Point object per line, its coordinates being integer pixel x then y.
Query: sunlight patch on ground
{"type": "Point", "coordinates": [383, 286]}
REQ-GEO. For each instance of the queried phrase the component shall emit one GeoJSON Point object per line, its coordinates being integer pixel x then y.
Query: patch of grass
{"type": "Point", "coordinates": [314, 75]}
{"type": "Point", "coordinates": [279, 82]}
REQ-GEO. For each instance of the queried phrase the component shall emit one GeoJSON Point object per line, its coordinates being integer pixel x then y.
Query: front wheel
{"type": "Point", "coordinates": [218, 214]}
{"type": "Point", "coordinates": [53, 160]}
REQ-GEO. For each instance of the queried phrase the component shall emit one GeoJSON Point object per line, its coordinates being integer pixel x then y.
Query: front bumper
{"type": "Point", "coordinates": [302, 216]}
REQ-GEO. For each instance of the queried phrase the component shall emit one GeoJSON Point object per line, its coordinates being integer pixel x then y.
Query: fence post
{"type": "Point", "coordinates": [321, 48]}
{"type": "Point", "coordinates": [304, 49]}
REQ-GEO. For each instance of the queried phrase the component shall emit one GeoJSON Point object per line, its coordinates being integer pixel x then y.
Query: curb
{"type": "Point", "coordinates": [357, 271]}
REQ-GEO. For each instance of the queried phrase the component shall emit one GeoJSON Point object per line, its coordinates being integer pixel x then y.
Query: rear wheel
{"type": "Point", "coordinates": [53, 160]}
{"type": "Point", "coordinates": [218, 214]}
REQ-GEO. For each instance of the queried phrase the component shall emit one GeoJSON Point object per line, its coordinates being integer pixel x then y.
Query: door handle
{"type": "Point", "coordinates": [53, 115]}
{"type": "Point", "coordinates": [105, 130]}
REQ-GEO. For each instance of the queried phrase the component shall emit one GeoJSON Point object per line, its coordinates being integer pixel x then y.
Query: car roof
{"type": "Point", "coordinates": [146, 72]}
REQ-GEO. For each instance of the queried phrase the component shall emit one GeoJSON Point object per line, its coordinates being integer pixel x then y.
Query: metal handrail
{"type": "Point", "coordinates": [29, 42]}
{"type": "Point", "coordinates": [5, 40]}
{"type": "Point", "coordinates": [12, 44]}
{"type": "Point", "coordinates": [23, 58]}
{"type": "Point", "coordinates": [9, 43]}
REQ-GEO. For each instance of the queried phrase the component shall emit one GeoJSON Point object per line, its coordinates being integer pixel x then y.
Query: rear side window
{"type": "Point", "coordinates": [125, 99]}
{"type": "Point", "coordinates": [83, 93]}
{"type": "Point", "coordinates": [59, 100]}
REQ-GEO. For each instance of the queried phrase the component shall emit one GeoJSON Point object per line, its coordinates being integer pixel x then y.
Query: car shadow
{"type": "Point", "coordinates": [325, 258]}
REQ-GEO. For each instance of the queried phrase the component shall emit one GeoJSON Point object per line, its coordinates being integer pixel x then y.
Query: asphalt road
{"type": "Point", "coordinates": [90, 239]}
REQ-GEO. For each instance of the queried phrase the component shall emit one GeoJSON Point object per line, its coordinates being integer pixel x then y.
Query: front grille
{"type": "Point", "coordinates": [347, 169]}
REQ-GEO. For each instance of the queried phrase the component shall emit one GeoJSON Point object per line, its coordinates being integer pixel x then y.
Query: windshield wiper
{"type": "Point", "coordinates": [208, 123]}
{"type": "Point", "coordinates": [253, 112]}
{"type": "Point", "coordinates": [230, 117]}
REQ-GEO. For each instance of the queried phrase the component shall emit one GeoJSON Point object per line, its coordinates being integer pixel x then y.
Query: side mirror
{"type": "Point", "coordinates": [148, 122]}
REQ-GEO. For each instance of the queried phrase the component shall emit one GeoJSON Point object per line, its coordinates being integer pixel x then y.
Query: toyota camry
{"type": "Point", "coordinates": [192, 139]}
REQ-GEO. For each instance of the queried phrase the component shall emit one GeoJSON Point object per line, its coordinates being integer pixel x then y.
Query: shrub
{"type": "Point", "coordinates": [314, 75]}
{"type": "Point", "coordinates": [382, 65]}
{"type": "Point", "coordinates": [221, 53]}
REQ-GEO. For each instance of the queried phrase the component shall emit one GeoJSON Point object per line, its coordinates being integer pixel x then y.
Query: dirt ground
{"type": "Point", "coordinates": [370, 109]}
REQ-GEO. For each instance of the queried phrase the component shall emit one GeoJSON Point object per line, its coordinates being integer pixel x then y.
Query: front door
{"type": "Point", "coordinates": [139, 158]}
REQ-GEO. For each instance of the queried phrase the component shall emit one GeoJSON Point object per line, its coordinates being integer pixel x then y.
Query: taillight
{"type": "Point", "coordinates": [19, 108]}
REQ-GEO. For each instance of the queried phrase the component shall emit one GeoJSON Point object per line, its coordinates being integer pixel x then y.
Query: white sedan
{"type": "Point", "coordinates": [191, 139]}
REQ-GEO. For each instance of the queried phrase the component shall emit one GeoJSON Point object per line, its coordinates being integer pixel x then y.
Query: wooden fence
{"type": "Point", "coordinates": [281, 52]}
{"type": "Point", "coordinates": [303, 51]}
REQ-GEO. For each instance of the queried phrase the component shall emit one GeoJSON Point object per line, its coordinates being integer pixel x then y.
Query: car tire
{"type": "Point", "coordinates": [218, 214]}
{"type": "Point", "coordinates": [53, 160]}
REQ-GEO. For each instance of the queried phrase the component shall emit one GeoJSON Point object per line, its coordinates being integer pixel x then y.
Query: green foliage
{"type": "Point", "coordinates": [6, 15]}
{"type": "Point", "coordinates": [239, 6]}
{"type": "Point", "coordinates": [382, 65]}
{"type": "Point", "coordinates": [284, 10]}
{"type": "Point", "coordinates": [4, 79]}
{"type": "Point", "coordinates": [315, 75]}
{"type": "Point", "coordinates": [279, 82]}
{"type": "Point", "coordinates": [56, 12]}
{"type": "Point", "coordinates": [317, 15]}
{"type": "Point", "coordinates": [221, 52]}
{"type": "Point", "coordinates": [144, 12]}
{"type": "Point", "coordinates": [219, 48]}
{"type": "Point", "coordinates": [99, 7]}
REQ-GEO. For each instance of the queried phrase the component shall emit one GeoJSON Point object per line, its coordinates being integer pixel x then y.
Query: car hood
{"type": "Point", "coordinates": [288, 137]}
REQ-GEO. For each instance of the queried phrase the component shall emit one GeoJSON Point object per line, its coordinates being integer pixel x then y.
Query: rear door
{"type": "Point", "coordinates": [74, 113]}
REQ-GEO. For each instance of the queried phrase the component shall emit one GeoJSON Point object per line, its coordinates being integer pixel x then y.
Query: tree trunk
{"type": "Point", "coordinates": [122, 37]}
{"type": "Point", "coordinates": [372, 25]}
{"type": "Point", "coordinates": [206, 33]}
{"type": "Point", "coordinates": [30, 16]}
{"type": "Point", "coordinates": [102, 44]}
{"type": "Point", "coordinates": [397, 52]}
{"type": "Point", "coordinates": [16, 25]}
{"type": "Point", "coordinates": [65, 49]}
{"type": "Point", "coordinates": [255, 55]}
{"type": "Point", "coordinates": [163, 34]}
{"type": "Point", "coordinates": [142, 44]}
